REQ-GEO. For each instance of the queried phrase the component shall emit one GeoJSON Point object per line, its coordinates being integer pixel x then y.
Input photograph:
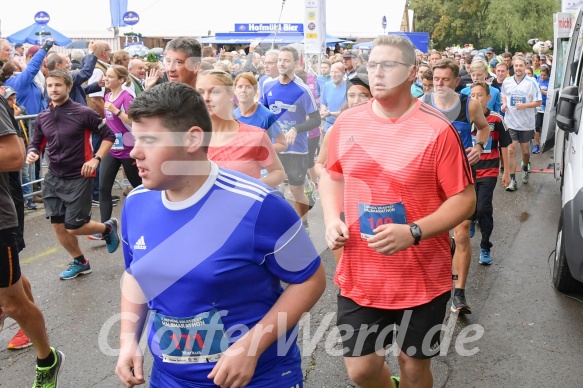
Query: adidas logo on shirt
{"type": "Point", "coordinates": [140, 244]}
{"type": "Point", "coordinates": [350, 140]}
{"type": "Point", "coordinates": [269, 94]}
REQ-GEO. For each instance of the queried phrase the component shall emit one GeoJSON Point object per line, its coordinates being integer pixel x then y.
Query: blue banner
{"type": "Point", "coordinates": [117, 9]}
{"type": "Point", "coordinates": [269, 27]}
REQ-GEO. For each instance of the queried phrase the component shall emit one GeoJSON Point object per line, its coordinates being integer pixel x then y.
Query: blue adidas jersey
{"type": "Point", "coordinates": [291, 103]}
{"type": "Point", "coordinates": [211, 266]}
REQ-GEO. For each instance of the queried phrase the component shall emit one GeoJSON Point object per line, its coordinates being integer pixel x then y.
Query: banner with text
{"type": "Point", "coordinates": [315, 27]}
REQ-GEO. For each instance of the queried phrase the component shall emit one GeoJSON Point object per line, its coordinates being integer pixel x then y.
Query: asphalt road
{"type": "Point", "coordinates": [522, 332]}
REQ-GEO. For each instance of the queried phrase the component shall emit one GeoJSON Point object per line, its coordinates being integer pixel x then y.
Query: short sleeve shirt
{"type": "Point", "coordinates": [7, 210]}
{"type": "Point", "coordinates": [195, 258]}
{"type": "Point", "coordinates": [405, 169]}
{"type": "Point", "coordinates": [525, 91]}
{"type": "Point", "coordinates": [124, 140]}
{"type": "Point", "coordinates": [248, 151]}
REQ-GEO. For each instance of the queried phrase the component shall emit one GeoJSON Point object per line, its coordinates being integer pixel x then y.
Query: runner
{"type": "Point", "coordinates": [230, 283]}
{"type": "Point", "coordinates": [290, 99]}
{"type": "Point", "coordinates": [68, 185]}
{"type": "Point", "coordinates": [397, 159]}
{"type": "Point", "coordinates": [543, 83]}
{"type": "Point", "coordinates": [487, 170]}
{"type": "Point", "coordinates": [520, 98]}
{"type": "Point", "coordinates": [235, 145]}
{"type": "Point", "coordinates": [462, 112]}
{"type": "Point", "coordinates": [251, 113]}
{"type": "Point", "coordinates": [13, 285]}
{"type": "Point", "coordinates": [117, 104]}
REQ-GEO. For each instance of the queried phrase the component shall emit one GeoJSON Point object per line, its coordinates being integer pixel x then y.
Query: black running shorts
{"type": "Point", "coordinates": [296, 168]}
{"type": "Point", "coordinates": [9, 262]}
{"type": "Point", "coordinates": [365, 330]}
{"type": "Point", "coordinates": [70, 198]}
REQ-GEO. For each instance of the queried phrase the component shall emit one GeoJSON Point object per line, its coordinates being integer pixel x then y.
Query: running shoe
{"type": "Point", "coordinates": [94, 237]}
{"type": "Point", "coordinates": [19, 341]}
{"type": "Point", "coordinates": [49, 377]}
{"type": "Point", "coordinates": [309, 191]}
{"type": "Point", "coordinates": [115, 198]}
{"type": "Point", "coordinates": [512, 186]}
{"type": "Point", "coordinates": [522, 166]}
{"type": "Point", "coordinates": [536, 149]}
{"type": "Point", "coordinates": [525, 176]}
{"type": "Point", "coordinates": [112, 239]}
{"type": "Point", "coordinates": [30, 205]}
{"type": "Point", "coordinates": [94, 203]}
{"type": "Point", "coordinates": [76, 269]}
{"type": "Point", "coordinates": [2, 318]}
{"type": "Point", "coordinates": [459, 303]}
{"type": "Point", "coordinates": [485, 258]}
{"type": "Point", "coordinates": [395, 380]}
{"type": "Point", "coordinates": [473, 228]}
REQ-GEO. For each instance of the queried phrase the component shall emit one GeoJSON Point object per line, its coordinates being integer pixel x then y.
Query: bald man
{"type": "Point", "coordinates": [137, 70]}
{"type": "Point", "coordinates": [102, 51]}
{"type": "Point", "coordinates": [333, 95]}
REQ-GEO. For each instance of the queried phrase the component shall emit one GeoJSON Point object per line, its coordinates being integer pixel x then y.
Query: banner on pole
{"type": "Point", "coordinates": [315, 27]}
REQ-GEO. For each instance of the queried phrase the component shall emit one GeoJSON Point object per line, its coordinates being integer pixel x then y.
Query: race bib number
{"type": "Point", "coordinates": [118, 144]}
{"type": "Point", "coordinates": [191, 340]}
{"type": "Point", "coordinates": [517, 99]}
{"type": "Point", "coordinates": [487, 147]}
{"type": "Point", "coordinates": [373, 216]}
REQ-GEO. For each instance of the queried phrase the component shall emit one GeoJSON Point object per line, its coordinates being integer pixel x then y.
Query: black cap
{"type": "Point", "coordinates": [359, 79]}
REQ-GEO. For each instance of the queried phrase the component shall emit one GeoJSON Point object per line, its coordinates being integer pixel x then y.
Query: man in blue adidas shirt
{"type": "Point", "coordinates": [291, 100]}
{"type": "Point", "coordinates": [207, 260]}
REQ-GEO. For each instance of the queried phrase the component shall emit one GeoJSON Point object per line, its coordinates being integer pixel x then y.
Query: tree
{"type": "Point", "coordinates": [483, 23]}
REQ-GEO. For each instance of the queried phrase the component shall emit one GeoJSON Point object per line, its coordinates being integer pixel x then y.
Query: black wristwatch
{"type": "Point", "coordinates": [481, 144]}
{"type": "Point", "coordinates": [416, 233]}
{"type": "Point", "coordinates": [97, 157]}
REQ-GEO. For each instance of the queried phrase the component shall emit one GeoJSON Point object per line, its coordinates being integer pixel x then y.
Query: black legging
{"type": "Point", "coordinates": [107, 173]}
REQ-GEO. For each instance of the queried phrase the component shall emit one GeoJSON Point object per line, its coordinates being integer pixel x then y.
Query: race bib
{"type": "Point", "coordinates": [118, 144]}
{"type": "Point", "coordinates": [191, 340]}
{"type": "Point", "coordinates": [373, 216]}
{"type": "Point", "coordinates": [517, 99]}
{"type": "Point", "coordinates": [487, 147]}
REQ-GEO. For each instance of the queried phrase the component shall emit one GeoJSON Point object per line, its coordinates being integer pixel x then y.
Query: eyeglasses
{"type": "Point", "coordinates": [386, 66]}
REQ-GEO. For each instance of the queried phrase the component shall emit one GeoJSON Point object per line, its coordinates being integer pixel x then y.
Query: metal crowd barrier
{"type": "Point", "coordinates": [29, 119]}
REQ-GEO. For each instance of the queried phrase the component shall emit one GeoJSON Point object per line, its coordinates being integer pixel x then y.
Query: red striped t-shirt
{"type": "Point", "coordinates": [417, 160]}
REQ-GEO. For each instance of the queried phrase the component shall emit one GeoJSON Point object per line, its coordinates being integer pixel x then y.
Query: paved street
{"type": "Point", "coordinates": [525, 333]}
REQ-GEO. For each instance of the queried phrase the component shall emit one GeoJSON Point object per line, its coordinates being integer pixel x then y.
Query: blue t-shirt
{"type": "Point", "coordinates": [291, 103]}
{"type": "Point", "coordinates": [261, 118]}
{"type": "Point", "coordinates": [544, 85]}
{"type": "Point", "coordinates": [210, 268]}
{"type": "Point", "coordinates": [320, 82]}
{"type": "Point", "coordinates": [495, 103]}
{"type": "Point", "coordinates": [333, 97]}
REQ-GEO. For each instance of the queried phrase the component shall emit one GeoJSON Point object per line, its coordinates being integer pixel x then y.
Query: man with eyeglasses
{"type": "Point", "coordinates": [271, 71]}
{"type": "Point", "coordinates": [396, 168]}
{"type": "Point", "coordinates": [464, 113]}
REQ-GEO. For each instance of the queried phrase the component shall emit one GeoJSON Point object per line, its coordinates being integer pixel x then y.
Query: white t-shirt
{"type": "Point", "coordinates": [514, 92]}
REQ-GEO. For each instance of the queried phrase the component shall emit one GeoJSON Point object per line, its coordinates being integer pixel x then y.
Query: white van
{"type": "Point", "coordinates": [563, 127]}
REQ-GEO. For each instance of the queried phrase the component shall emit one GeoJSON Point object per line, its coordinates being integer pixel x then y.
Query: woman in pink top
{"type": "Point", "coordinates": [117, 103]}
{"type": "Point", "coordinates": [235, 145]}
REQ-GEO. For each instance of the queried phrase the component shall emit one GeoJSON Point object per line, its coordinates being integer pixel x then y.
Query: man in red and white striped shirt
{"type": "Point", "coordinates": [399, 170]}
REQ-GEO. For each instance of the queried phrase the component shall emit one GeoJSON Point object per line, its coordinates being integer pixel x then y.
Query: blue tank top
{"type": "Point", "coordinates": [459, 116]}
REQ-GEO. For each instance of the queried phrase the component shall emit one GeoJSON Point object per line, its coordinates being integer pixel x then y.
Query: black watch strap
{"type": "Point", "coordinates": [481, 144]}
{"type": "Point", "coordinates": [416, 233]}
{"type": "Point", "coordinates": [97, 157]}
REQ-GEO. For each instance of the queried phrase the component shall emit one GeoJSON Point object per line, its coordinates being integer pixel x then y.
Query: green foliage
{"type": "Point", "coordinates": [152, 57]}
{"type": "Point", "coordinates": [498, 23]}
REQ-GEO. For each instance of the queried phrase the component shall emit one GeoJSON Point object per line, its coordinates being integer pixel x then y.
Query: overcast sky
{"type": "Point", "coordinates": [197, 17]}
